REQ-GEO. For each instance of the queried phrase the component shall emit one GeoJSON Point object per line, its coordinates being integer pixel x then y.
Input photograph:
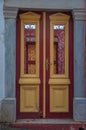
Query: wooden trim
{"type": "Point", "coordinates": [71, 65]}
{"type": "Point", "coordinates": [44, 57]}
{"type": "Point", "coordinates": [48, 70]}
{"type": "Point", "coordinates": [59, 81]}
{"type": "Point", "coordinates": [17, 66]}
{"type": "Point", "coordinates": [41, 62]}
{"type": "Point", "coordinates": [29, 81]}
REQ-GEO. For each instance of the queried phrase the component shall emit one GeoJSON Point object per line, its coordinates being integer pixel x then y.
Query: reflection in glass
{"type": "Point", "coordinates": [30, 48]}
{"type": "Point", "coordinates": [57, 27]}
{"type": "Point", "coordinates": [59, 51]}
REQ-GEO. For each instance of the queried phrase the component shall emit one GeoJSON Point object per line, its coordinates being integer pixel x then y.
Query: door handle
{"type": "Point", "coordinates": [46, 64]}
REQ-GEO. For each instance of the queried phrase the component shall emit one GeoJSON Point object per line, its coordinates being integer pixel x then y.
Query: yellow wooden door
{"type": "Point", "coordinates": [44, 65]}
{"type": "Point", "coordinates": [57, 84]}
{"type": "Point", "coordinates": [29, 64]}
{"type": "Point", "coordinates": [59, 64]}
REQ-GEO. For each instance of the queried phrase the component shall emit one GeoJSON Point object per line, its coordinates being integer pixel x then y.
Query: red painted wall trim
{"type": "Point", "coordinates": [17, 66]}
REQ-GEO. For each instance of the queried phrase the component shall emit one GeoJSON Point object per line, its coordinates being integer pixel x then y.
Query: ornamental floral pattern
{"type": "Point", "coordinates": [59, 54]}
{"type": "Point", "coordinates": [29, 49]}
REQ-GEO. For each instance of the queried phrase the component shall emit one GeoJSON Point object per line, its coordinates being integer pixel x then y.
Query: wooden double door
{"type": "Point", "coordinates": [44, 85]}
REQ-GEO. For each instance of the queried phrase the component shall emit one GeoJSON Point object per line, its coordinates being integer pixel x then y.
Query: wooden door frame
{"type": "Point", "coordinates": [44, 104]}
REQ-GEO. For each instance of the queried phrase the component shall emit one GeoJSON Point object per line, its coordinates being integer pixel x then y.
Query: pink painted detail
{"type": "Point", "coordinates": [59, 54]}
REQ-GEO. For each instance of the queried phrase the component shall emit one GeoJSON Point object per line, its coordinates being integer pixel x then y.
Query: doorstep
{"type": "Point", "coordinates": [46, 121]}
{"type": "Point", "coordinates": [49, 124]}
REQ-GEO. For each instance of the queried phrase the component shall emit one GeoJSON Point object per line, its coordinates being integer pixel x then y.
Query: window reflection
{"type": "Point", "coordinates": [57, 27]}
{"type": "Point", "coordinates": [30, 26]}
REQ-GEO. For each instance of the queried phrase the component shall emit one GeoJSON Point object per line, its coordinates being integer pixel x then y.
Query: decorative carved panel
{"type": "Point", "coordinates": [30, 48]}
{"type": "Point", "coordinates": [29, 98]}
{"type": "Point", "coordinates": [59, 98]}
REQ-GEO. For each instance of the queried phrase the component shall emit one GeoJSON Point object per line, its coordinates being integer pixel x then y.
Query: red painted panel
{"type": "Point", "coordinates": [41, 67]}
{"type": "Point", "coordinates": [71, 66]}
{"type": "Point", "coordinates": [17, 66]}
{"type": "Point", "coordinates": [47, 57]}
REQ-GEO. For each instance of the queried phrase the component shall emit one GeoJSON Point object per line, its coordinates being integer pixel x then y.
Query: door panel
{"type": "Point", "coordinates": [29, 76]}
{"type": "Point", "coordinates": [44, 83]}
{"type": "Point", "coordinates": [59, 83]}
{"type": "Point", "coordinates": [29, 84]}
{"type": "Point", "coordinates": [29, 98]}
{"type": "Point", "coordinates": [58, 98]}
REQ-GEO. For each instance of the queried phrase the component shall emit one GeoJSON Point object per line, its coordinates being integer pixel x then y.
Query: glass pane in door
{"type": "Point", "coordinates": [30, 49]}
{"type": "Point", "coordinates": [59, 49]}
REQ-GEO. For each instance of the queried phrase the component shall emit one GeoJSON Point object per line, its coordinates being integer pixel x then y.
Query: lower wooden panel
{"type": "Point", "coordinates": [59, 98]}
{"type": "Point", "coordinates": [29, 98]}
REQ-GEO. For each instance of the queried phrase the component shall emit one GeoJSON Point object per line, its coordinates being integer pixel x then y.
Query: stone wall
{"type": "Point", "coordinates": [2, 55]}
{"type": "Point", "coordinates": [46, 4]}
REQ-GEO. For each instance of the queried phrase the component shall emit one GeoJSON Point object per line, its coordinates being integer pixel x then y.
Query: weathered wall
{"type": "Point", "coordinates": [79, 112]}
{"type": "Point", "coordinates": [46, 4]}
{"type": "Point", "coordinates": [2, 54]}
{"type": "Point", "coordinates": [8, 103]}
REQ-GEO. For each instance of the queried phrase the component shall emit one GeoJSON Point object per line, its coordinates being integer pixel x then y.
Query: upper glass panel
{"type": "Point", "coordinates": [30, 49]}
{"type": "Point", "coordinates": [30, 31]}
{"type": "Point", "coordinates": [59, 49]}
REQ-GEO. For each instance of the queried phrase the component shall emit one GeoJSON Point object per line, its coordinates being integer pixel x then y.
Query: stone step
{"type": "Point", "coordinates": [49, 124]}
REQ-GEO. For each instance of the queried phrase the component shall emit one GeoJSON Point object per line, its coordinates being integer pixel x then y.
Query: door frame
{"type": "Point", "coordinates": [42, 65]}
